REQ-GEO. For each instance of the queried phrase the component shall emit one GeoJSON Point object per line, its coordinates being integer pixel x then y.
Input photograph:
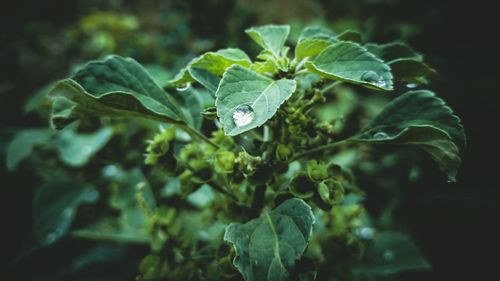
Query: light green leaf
{"type": "Point", "coordinates": [55, 206]}
{"type": "Point", "coordinates": [76, 149]}
{"type": "Point", "coordinates": [391, 252]}
{"type": "Point", "coordinates": [119, 86]}
{"type": "Point", "coordinates": [421, 119]}
{"type": "Point", "coordinates": [270, 37]}
{"type": "Point", "coordinates": [267, 248]}
{"type": "Point", "coordinates": [348, 61]}
{"type": "Point", "coordinates": [246, 100]}
{"type": "Point", "coordinates": [206, 68]}
{"type": "Point", "coordinates": [312, 41]}
{"type": "Point", "coordinates": [22, 144]}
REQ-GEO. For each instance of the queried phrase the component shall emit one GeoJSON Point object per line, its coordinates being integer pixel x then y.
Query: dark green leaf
{"type": "Point", "coordinates": [191, 104]}
{"type": "Point", "coordinates": [246, 100]}
{"type": "Point", "coordinates": [270, 37]}
{"type": "Point", "coordinates": [420, 118]}
{"type": "Point", "coordinates": [267, 248]}
{"type": "Point", "coordinates": [410, 70]}
{"type": "Point", "coordinates": [348, 61]}
{"type": "Point", "coordinates": [391, 252]}
{"type": "Point", "coordinates": [55, 206]}
{"type": "Point", "coordinates": [392, 51]}
{"type": "Point", "coordinates": [22, 144]}
{"type": "Point", "coordinates": [350, 35]}
{"type": "Point", "coordinates": [119, 86]}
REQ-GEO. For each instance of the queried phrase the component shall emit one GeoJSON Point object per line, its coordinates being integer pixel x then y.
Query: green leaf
{"type": "Point", "coordinates": [350, 35]}
{"type": "Point", "coordinates": [348, 61]}
{"type": "Point", "coordinates": [22, 144]}
{"type": "Point", "coordinates": [312, 41]}
{"type": "Point", "coordinates": [63, 112]}
{"type": "Point", "coordinates": [76, 149]}
{"type": "Point", "coordinates": [392, 51]}
{"type": "Point", "coordinates": [391, 252]}
{"type": "Point", "coordinates": [420, 118]}
{"type": "Point", "coordinates": [410, 70]}
{"type": "Point", "coordinates": [206, 68]}
{"type": "Point", "coordinates": [270, 37]}
{"type": "Point", "coordinates": [246, 100]}
{"type": "Point", "coordinates": [55, 206]}
{"type": "Point", "coordinates": [119, 86]}
{"type": "Point", "coordinates": [267, 248]}
{"type": "Point", "coordinates": [191, 104]}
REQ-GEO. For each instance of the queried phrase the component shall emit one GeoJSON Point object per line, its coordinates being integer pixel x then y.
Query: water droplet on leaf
{"type": "Point", "coordinates": [370, 77]}
{"type": "Point", "coordinates": [243, 115]}
{"type": "Point", "coordinates": [380, 135]}
{"type": "Point", "coordinates": [183, 87]}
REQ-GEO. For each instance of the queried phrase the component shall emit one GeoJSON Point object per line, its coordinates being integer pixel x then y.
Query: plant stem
{"type": "Point", "coordinates": [198, 134]}
{"type": "Point", "coordinates": [330, 86]}
{"type": "Point", "coordinates": [258, 200]}
{"type": "Point", "coordinates": [320, 148]}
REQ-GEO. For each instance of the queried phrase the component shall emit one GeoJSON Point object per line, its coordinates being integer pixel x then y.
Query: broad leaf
{"type": "Point", "coordinates": [76, 149]}
{"type": "Point", "coordinates": [246, 100]}
{"type": "Point", "coordinates": [55, 206]}
{"type": "Point", "coordinates": [391, 252]}
{"type": "Point", "coordinates": [267, 248]}
{"type": "Point", "coordinates": [270, 37]}
{"type": "Point", "coordinates": [410, 70]}
{"type": "Point", "coordinates": [350, 35]}
{"type": "Point", "coordinates": [348, 61]}
{"type": "Point", "coordinates": [207, 68]}
{"type": "Point", "coordinates": [22, 144]}
{"type": "Point", "coordinates": [392, 51]}
{"type": "Point", "coordinates": [119, 86]}
{"type": "Point", "coordinates": [312, 41]}
{"type": "Point", "coordinates": [420, 118]}
{"type": "Point", "coordinates": [191, 104]}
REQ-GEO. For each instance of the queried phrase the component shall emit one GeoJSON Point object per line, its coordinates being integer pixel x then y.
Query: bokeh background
{"type": "Point", "coordinates": [455, 225]}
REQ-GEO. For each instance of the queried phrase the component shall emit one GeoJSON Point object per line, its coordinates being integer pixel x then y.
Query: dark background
{"type": "Point", "coordinates": [455, 225]}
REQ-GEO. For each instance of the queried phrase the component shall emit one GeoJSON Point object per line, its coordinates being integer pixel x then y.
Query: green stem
{"type": "Point", "coordinates": [198, 134]}
{"type": "Point", "coordinates": [330, 86]}
{"type": "Point", "coordinates": [320, 149]}
{"type": "Point", "coordinates": [258, 200]}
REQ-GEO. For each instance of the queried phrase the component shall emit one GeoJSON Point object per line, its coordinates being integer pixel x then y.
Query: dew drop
{"type": "Point", "coordinates": [380, 135]}
{"type": "Point", "coordinates": [243, 115]}
{"type": "Point", "coordinates": [411, 85]}
{"type": "Point", "coordinates": [183, 87]}
{"type": "Point", "coordinates": [370, 77]}
{"type": "Point", "coordinates": [389, 255]}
